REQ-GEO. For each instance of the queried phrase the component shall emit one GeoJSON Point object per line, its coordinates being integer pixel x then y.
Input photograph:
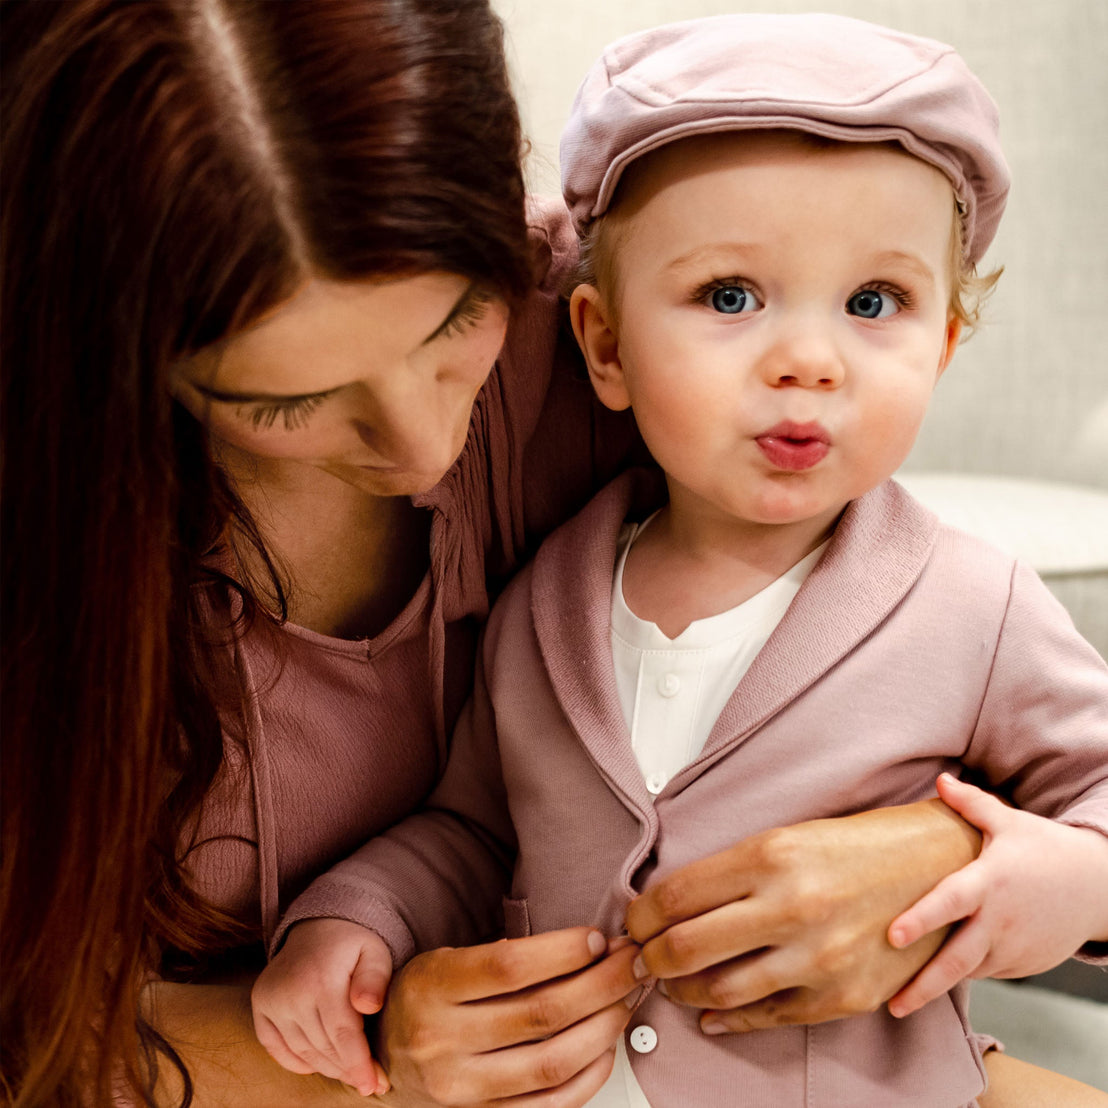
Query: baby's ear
{"type": "Point", "coordinates": [600, 344]}
{"type": "Point", "coordinates": [950, 343]}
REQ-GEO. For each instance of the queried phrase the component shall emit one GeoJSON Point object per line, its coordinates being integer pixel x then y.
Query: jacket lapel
{"type": "Point", "coordinates": [571, 601]}
{"type": "Point", "coordinates": [876, 555]}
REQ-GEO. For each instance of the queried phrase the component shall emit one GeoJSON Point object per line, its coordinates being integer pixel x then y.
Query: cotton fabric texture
{"type": "Point", "coordinates": [828, 75]}
{"type": "Point", "coordinates": [911, 649]}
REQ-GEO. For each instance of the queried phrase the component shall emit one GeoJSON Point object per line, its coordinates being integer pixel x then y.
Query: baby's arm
{"type": "Point", "coordinates": [309, 1002]}
{"type": "Point", "coordinates": [1035, 894]}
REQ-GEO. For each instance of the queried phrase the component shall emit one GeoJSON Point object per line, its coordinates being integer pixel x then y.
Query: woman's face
{"type": "Point", "coordinates": [372, 382]}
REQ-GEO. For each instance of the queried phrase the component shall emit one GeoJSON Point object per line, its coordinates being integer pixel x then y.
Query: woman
{"type": "Point", "coordinates": [260, 477]}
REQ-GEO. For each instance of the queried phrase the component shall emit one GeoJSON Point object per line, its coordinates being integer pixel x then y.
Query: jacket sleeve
{"type": "Point", "coordinates": [1042, 735]}
{"type": "Point", "coordinates": [438, 877]}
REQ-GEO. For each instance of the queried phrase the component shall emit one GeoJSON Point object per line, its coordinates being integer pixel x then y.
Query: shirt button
{"type": "Point", "coordinates": [656, 782]}
{"type": "Point", "coordinates": [670, 685]}
{"type": "Point", "coordinates": [644, 1039]}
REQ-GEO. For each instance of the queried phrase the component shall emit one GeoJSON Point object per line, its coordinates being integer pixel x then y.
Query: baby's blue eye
{"type": "Point", "coordinates": [732, 299]}
{"type": "Point", "coordinates": [871, 304]}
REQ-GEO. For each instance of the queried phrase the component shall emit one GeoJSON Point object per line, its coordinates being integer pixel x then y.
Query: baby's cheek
{"type": "Point", "coordinates": [897, 424]}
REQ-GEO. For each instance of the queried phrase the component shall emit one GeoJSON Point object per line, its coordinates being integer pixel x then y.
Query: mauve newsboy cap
{"type": "Point", "coordinates": [826, 74]}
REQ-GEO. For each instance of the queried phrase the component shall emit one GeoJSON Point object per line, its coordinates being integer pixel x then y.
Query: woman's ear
{"type": "Point", "coordinates": [950, 343]}
{"type": "Point", "coordinates": [599, 343]}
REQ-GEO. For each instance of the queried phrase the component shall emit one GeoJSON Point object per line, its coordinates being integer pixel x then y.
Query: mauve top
{"type": "Point", "coordinates": [348, 736]}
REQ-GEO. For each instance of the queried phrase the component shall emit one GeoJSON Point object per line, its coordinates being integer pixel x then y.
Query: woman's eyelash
{"type": "Point", "coordinates": [471, 311]}
{"type": "Point", "coordinates": [295, 413]}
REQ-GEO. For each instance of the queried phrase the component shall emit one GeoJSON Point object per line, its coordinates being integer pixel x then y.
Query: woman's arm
{"type": "Point", "coordinates": [790, 926]}
{"type": "Point", "coordinates": [210, 1026]}
{"type": "Point", "coordinates": [1016, 1084]}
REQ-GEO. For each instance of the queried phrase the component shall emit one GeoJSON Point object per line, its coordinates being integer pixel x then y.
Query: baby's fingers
{"type": "Point", "coordinates": [337, 1049]}
{"type": "Point", "coordinates": [274, 1042]}
{"type": "Point", "coordinates": [954, 898]}
{"type": "Point", "coordinates": [974, 805]}
{"type": "Point", "coordinates": [350, 1055]}
{"type": "Point", "coordinates": [960, 957]}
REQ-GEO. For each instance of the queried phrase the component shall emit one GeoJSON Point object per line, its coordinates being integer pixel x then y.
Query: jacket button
{"type": "Point", "coordinates": [644, 1039]}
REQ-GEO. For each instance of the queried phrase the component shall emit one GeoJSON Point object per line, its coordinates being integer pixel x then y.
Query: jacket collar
{"type": "Point", "coordinates": [877, 553]}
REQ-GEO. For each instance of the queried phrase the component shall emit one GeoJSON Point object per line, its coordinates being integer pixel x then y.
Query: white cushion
{"type": "Point", "coordinates": [1055, 528]}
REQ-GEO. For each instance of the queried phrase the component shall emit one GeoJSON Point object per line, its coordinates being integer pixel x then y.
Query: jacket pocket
{"type": "Point", "coordinates": [517, 919]}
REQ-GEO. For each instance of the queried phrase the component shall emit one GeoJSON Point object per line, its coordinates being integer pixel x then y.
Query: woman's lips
{"type": "Point", "coordinates": [794, 446]}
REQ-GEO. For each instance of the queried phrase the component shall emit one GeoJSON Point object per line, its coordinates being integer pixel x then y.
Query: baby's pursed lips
{"type": "Point", "coordinates": [797, 432]}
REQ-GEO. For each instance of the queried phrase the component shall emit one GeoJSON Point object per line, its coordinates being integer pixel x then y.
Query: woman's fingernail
{"type": "Point", "coordinates": [597, 944]}
{"type": "Point", "coordinates": [713, 1025]}
{"type": "Point", "coordinates": [638, 968]}
{"type": "Point", "coordinates": [661, 987]}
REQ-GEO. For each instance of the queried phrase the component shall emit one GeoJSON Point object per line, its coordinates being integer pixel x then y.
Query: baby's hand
{"type": "Point", "coordinates": [309, 1002]}
{"type": "Point", "coordinates": [1033, 896]}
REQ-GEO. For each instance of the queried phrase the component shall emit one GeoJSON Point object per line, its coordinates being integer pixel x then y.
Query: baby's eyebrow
{"type": "Point", "coordinates": [907, 260]}
{"type": "Point", "coordinates": [721, 251]}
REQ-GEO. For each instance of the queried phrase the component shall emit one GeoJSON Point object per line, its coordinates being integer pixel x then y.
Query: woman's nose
{"type": "Point", "coordinates": [408, 422]}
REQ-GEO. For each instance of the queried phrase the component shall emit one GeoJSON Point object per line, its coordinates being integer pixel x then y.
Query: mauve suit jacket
{"type": "Point", "coordinates": [911, 649]}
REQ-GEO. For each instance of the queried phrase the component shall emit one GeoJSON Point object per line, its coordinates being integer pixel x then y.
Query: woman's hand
{"type": "Point", "coordinates": [1035, 895]}
{"type": "Point", "coordinates": [523, 1021]}
{"type": "Point", "coordinates": [789, 926]}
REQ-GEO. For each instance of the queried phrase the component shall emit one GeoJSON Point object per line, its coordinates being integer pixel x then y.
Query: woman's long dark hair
{"type": "Point", "coordinates": [172, 169]}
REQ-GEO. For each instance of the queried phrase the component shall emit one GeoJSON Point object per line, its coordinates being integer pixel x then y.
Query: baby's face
{"type": "Point", "coordinates": [782, 318]}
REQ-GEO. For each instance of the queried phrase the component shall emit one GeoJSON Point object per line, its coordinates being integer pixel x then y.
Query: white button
{"type": "Point", "coordinates": [670, 685]}
{"type": "Point", "coordinates": [644, 1039]}
{"type": "Point", "coordinates": [656, 782]}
